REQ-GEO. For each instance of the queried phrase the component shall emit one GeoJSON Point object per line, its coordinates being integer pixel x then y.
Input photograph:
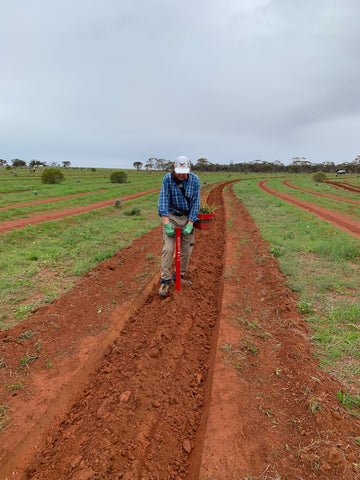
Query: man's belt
{"type": "Point", "coordinates": [178, 212]}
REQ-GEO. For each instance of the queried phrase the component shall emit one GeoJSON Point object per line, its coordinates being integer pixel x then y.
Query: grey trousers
{"type": "Point", "coordinates": [187, 242]}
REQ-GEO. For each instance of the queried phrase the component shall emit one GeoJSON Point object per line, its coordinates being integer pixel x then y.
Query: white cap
{"type": "Point", "coordinates": [182, 164]}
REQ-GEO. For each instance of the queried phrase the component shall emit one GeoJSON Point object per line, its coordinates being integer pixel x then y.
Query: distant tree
{"type": "Point", "coordinates": [138, 165]}
{"type": "Point", "coordinates": [203, 165]}
{"type": "Point", "coordinates": [66, 163]}
{"type": "Point", "coordinates": [150, 164]}
{"type": "Point", "coordinates": [160, 164]}
{"type": "Point", "coordinates": [18, 163]}
{"type": "Point", "coordinates": [36, 163]}
{"type": "Point", "coordinates": [118, 176]}
{"type": "Point", "coordinates": [2, 162]}
{"type": "Point", "coordinates": [168, 165]}
{"type": "Point", "coordinates": [52, 175]}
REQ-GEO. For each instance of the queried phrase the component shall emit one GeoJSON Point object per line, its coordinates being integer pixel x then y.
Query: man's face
{"type": "Point", "coordinates": [181, 176]}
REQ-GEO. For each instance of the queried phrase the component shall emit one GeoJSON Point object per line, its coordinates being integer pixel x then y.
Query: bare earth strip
{"type": "Point", "coordinates": [344, 186]}
{"type": "Point", "coordinates": [45, 217]}
{"type": "Point", "coordinates": [337, 219]}
{"type": "Point", "coordinates": [333, 197]}
{"type": "Point", "coordinates": [48, 200]}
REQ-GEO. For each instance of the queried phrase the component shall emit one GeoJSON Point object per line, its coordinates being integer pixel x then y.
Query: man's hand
{"type": "Point", "coordinates": [169, 229]}
{"type": "Point", "coordinates": [188, 229]}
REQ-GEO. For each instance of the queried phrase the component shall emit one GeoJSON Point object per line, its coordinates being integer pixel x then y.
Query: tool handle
{"type": "Point", "coordinates": [178, 259]}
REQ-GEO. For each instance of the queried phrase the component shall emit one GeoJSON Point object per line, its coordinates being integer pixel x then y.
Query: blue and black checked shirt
{"type": "Point", "coordinates": [171, 198]}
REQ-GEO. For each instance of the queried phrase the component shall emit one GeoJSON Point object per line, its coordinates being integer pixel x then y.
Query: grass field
{"type": "Point", "coordinates": [322, 267]}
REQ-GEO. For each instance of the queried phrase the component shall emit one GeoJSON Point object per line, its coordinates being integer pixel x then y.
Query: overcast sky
{"type": "Point", "coordinates": [111, 82]}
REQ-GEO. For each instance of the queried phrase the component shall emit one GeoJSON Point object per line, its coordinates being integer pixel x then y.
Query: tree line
{"type": "Point", "coordinates": [17, 162]}
{"type": "Point", "coordinates": [298, 165]}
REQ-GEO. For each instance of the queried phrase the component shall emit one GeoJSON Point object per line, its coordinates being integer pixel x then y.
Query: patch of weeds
{"type": "Point", "coordinates": [27, 360]}
{"type": "Point", "coordinates": [276, 251]}
{"type": "Point", "coordinates": [21, 312]}
{"type": "Point", "coordinates": [14, 387]}
{"type": "Point", "coordinates": [48, 364]}
{"type": "Point", "coordinates": [27, 334]}
{"type": "Point", "coordinates": [38, 345]}
{"type": "Point", "coordinates": [145, 274]}
{"type": "Point", "coordinates": [305, 307]}
{"type": "Point", "coordinates": [352, 402]}
{"type": "Point", "coordinates": [133, 212]}
{"type": "Point", "coordinates": [314, 405]}
{"type": "Point", "coordinates": [2, 362]}
{"type": "Point", "coordinates": [233, 356]}
{"type": "Point", "coordinates": [103, 255]}
{"type": "Point", "coordinates": [248, 345]}
{"type": "Point", "coordinates": [4, 417]}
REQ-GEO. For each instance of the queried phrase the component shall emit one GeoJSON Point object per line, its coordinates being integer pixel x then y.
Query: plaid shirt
{"type": "Point", "coordinates": [171, 197]}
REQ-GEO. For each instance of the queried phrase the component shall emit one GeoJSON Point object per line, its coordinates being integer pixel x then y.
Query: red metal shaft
{"type": "Point", "coordinates": [178, 259]}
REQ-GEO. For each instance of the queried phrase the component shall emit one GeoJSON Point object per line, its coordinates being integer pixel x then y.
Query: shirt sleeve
{"type": "Point", "coordinates": [195, 201]}
{"type": "Point", "coordinates": [164, 197]}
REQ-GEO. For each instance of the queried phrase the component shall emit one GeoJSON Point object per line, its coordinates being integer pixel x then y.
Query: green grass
{"type": "Point", "coordinates": [302, 181]}
{"type": "Point", "coordinates": [40, 262]}
{"type": "Point", "coordinates": [322, 267]}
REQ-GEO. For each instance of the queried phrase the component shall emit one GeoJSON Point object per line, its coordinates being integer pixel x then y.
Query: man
{"type": "Point", "coordinates": [179, 204]}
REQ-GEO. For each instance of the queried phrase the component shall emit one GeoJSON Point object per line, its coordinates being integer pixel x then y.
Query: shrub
{"type": "Point", "coordinates": [118, 176]}
{"type": "Point", "coordinates": [319, 177]}
{"type": "Point", "coordinates": [134, 211]}
{"type": "Point", "coordinates": [52, 175]}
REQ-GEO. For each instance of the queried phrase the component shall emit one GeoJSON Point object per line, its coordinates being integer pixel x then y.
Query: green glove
{"type": "Point", "coordinates": [169, 229]}
{"type": "Point", "coordinates": [188, 229]}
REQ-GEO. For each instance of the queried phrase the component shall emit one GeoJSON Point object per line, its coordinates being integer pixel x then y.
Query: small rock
{"type": "Point", "coordinates": [85, 474]}
{"type": "Point", "coordinates": [335, 456]}
{"type": "Point", "coordinates": [325, 467]}
{"type": "Point", "coordinates": [187, 446]}
{"type": "Point", "coordinates": [125, 396]}
{"type": "Point", "coordinates": [352, 458]}
{"type": "Point", "coordinates": [336, 415]}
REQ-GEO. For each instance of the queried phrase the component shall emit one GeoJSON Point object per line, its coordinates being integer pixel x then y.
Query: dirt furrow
{"type": "Point", "coordinates": [139, 416]}
{"type": "Point", "coordinates": [326, 195]}
{"type": "Point", "coordinates": [273, 413]}
{"type": "Point", "coordinates": [337, 219]}
{"type": "Point", "coordinates": [49, 200]}
{"type": "Point", "coordinates": [344, 186]}
{"type": "Point", "coordinates": [49, 216]}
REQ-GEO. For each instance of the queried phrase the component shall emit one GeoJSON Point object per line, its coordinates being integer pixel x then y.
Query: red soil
{"type": "Point", "coordinates": [344, 186]}
{"type": "Point", "coordinates": [215, 381]}
{"type": "Point", "coordinates": [337, 219]}
{"type": "Point", "coordinates": [327, 195]}
{"type": "Point", "coordinates": [47, 200]}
